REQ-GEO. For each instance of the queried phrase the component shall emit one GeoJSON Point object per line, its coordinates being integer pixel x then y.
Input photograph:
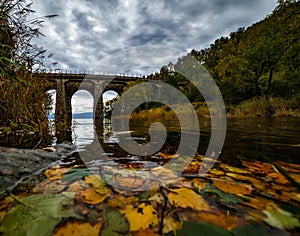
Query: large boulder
{"type": "Point", "coordinates": [18, 165]}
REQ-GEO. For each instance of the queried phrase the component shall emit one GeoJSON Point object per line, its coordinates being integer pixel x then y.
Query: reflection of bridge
{"type": "Point", "coordinates": [67, 84]}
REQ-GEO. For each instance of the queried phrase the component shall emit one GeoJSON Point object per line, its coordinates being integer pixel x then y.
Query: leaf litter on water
{"type": "Point", "coordinates": [228, 201]}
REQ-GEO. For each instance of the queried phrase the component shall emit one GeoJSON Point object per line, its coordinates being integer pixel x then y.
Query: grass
{"type": "Point", "coordinates": [260, 107]}
{"type": "Point", "coordinates": [256, 107]}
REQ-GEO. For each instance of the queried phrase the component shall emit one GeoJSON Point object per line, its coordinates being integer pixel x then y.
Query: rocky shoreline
{"type": "Point", "coordinates": [22, 167]}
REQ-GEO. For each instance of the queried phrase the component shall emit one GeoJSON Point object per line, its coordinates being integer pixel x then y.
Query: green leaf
{"type": "Point", "coordinates": [281, 219]}
{"type": "Point", "coordinates": [76, 173]}
{"type": "Point", "coordinates": [202, 228]}
{"type": "Point", "coordinates": [116, 224]}
{"type": "Point", "coordinates": [250, 230]}
{"type": "Point", "coordinates": [224, 197]}
{"type": "Point", "coordinates": [38, 215]}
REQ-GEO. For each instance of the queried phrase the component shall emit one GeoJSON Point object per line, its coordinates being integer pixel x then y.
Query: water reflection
{"type": "Point", "coordinates": [278, 138]}
{"type": "Point", "coordinates": [82, 132]}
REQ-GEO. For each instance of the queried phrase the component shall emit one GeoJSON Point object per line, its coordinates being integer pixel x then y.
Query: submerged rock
{"type": "Point", "coordinates": [18, 166]}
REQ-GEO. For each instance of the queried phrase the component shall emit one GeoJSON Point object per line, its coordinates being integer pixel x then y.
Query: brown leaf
{"type": "Point", "coordinates": [259, 167]}
{"type": "Point", "coordinates": [233, 187]}
{"type": "Point", "coordinates": [147, 232]}
{"type": "Point", "coordinates": [223, 220]}
{"type": "Point", "coordinates": [49, 186]}
{"type": "Point", "coordinates": [278, 178]}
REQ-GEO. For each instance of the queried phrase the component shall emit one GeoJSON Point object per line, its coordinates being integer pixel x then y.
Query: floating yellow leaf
{"type": "Point", "coordinates": [140, 216]}
{"type": "Point", "coordinates": [199, 184]}
{"type": "Point", "coordinates": [259, 167]}
{"type": "Point", "coordinates": [55, 172]}
{"type": "Point", "coordinates": [187, 198]}
{"type": "Point", "coordinates": [96, 182]}
{"type": "Point", "coordinates": [234, 169]}
{"type": "Point", "coordinates": [168, 156]}
{"type": "Point", "coordinates": [216, 172]}
{"type": "Point", "coordinates": [118, 200]}
{"type": "Point", "coordinates": [78, 229]}
{"type": "Point", "coordinates": [257, 183]}
{"type": "Point", "coordinates": [279, 178]}
{"type": "Point", "coordinates": [232, 187]}
{"type": "Point", "coordinates": [90, 196]}
{"type": "Point", "coordinates": [171, 225]}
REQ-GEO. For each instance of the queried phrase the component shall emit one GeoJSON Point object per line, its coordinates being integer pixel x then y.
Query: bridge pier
{"type": "Point", "coordinates": [63, 113]}
{"type": "Point", "coordinates": [98, 105]}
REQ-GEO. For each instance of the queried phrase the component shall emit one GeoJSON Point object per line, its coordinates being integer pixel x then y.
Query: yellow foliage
{"type": "Point", "coordinates": [118, 200]}
{"type": "Point", "coordinates": [279, 178]}
{"type": "Point", "coordinates": [140, 216]}
{"type": "Point", "coordinates": [260, 167]}
{"type": "Point", "coordinates": [96, 182]}
{"type": "Point", "coordinates": [257, 183]}
{"type": "Point", "coordinates": [78, 229]}
{"type": "Point", "coordinates": [55, 172]}
{"type": "Point", "coordinates": [171, 225]}
{"type": "Point", "coordinates": [233, 187]}
{"type": "Point", "coordinates": [234, 169]}
{"type": "Point", "coordinates": [90, 196]}
{"type": "Point", "coordinates": [187, 198]}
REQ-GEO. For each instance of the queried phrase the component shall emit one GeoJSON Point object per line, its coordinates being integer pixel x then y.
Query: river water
{"type": "Point", "coordinates": [246, 138]}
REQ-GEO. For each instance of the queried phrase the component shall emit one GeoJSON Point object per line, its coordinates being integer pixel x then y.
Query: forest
{"type": "Point", "coordinates": [256, 68]}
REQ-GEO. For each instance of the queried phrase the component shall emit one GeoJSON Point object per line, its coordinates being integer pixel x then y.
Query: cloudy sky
{"type": "Point", "coordinates": [87, 31]}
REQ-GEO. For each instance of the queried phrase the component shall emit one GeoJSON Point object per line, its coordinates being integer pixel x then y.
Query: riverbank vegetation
{"type": "Point", "coordinates": [23, 98]}
{"type": "Point", "coordinates": [257, 69]}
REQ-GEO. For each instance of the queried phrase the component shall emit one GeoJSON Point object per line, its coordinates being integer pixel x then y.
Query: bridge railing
{"type": "Point", "coordinates": [84, 72]}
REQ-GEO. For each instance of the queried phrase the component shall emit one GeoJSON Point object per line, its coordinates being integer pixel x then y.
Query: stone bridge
{"type": "Point", "coordinates": [66, 84]}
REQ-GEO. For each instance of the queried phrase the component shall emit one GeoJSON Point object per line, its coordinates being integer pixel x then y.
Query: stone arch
{"type": "Point", "coordinates": [82, 101]}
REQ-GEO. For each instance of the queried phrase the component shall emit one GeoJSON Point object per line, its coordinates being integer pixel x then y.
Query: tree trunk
{"type": "Point", "coordinates": [269, 87]}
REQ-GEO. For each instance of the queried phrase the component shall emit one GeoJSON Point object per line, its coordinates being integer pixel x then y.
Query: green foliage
{"type": "Point", "coordinates": [202, 228]}
{"type": "Point", "coordinates": [38, 215]}
{"type": "Point", "coordinates": [76, 173]}
{"type": "Point", "coordinates": [262, 60]}
{"type": "Point", "coordinates": [116, 224]}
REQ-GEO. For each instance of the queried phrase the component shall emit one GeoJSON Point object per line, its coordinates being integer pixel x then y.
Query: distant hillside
{"type": "Point", "coordinates": [84, 115]}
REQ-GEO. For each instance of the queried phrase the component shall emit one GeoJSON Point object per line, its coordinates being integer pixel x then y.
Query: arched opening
{"type": "Point", "coordinates": [82, 103]}
{"type": "Point", "coordinates": [51, 104]}
{"type": "Point", "coordinates": [109, 98]}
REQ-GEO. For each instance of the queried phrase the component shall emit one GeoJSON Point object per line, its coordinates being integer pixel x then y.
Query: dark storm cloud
{"type": "Point", "coordinates": [87, 31]}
